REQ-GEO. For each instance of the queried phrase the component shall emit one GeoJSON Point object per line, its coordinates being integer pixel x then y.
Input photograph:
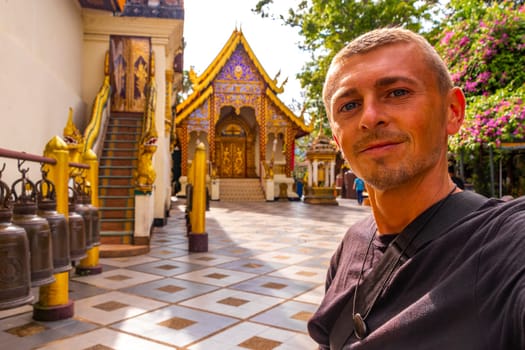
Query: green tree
{"type": "Point", "coordinates": [483, 44]}
{"type": "Point", "coordinates": [327, 25]}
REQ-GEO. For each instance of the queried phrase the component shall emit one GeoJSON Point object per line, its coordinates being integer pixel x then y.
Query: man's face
{"type": "Point", "coordinates": [388, 115]}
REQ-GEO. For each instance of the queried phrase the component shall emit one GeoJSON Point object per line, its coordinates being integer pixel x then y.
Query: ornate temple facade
{"type": "Point", "coordinates": [234, 109]}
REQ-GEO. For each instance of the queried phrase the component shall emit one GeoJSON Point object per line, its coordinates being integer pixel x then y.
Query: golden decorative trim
{"type": "Point", "coordinates": [93, 129]}
{"type": "Point", "coordinates": [196, 103]}
{"type": "Point", "coordinates": [145, 175]}
{"type": "Point", "coordinates": [207, 77]}
{"type": "Point", "coordinates": [168, 119]}
{"type": "Point", "coordinates": [299, 121]}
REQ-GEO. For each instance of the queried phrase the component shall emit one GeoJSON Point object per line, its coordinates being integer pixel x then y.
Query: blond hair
{"type": "Point", "coordinates": [388, 36]}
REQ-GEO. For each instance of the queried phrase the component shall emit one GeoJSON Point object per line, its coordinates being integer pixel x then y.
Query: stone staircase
{"type": "Point", "coordinates": [241, 190]}
{"type": "Point", "coordinates": [116, 190]}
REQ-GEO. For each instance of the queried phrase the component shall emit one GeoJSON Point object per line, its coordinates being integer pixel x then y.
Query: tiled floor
{"type": "Point", "coordinates": [254, 289]}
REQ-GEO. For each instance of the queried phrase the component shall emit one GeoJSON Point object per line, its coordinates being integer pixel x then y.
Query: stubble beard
{"type": "Point", "coordinates": [384, 174]}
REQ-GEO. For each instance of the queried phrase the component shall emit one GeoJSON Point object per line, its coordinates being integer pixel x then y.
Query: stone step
{"type": "Point", "coordinates": [241, 190]}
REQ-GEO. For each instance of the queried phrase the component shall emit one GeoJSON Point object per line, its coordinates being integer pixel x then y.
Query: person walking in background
{"type": "Point", "coordinates": [359, 187]}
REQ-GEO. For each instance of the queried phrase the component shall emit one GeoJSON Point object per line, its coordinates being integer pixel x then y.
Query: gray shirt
{"type": "Point", "coordinates": [464, 290]}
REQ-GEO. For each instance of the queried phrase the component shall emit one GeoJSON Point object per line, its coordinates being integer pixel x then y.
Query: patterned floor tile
{"type": "Point", "coordinates": [170, 290]}
{"type": "Point", "coordinates": [118, 278]}
{"type": "Point", "coordinates": [176, 325]}
{"type": "Point", "coordinates": [328, 245]}
{"type": "Point", "coordinates": [302, 273]}
{"type": "Point", "coordinates": [259, 267]}
{"type": "Point", "coordinates": [216, 276]}
{"type": "Point", "coordinates": [305, 250]}
{"type": "Point", "coordinates": [105, 339]}
{"type": "Point", "coordinates": [255, 336]}
{"type": "Point", "coordinates": [79, 290]}
{"type": "Point", "coordinates": [275, 286]}
{"type": "Point", "coordinates": [251, 237]}
{"type": "Point", "coordinates": [263, 245]}
{"type": "Point", "coordinates": [237, 251]}
{"type": "Point", "coordinates": [321, 261]}
{"type": "Point", "coordinates": [282, 257]}
{"type": "Point", "coordinates": [291, 315]}
{"type": "Point", "coordinates": [22, 332]}
{"type": "Point", "coordinates": [169, 252]}
{"type": "Point", "coordinates": [262, 277]}
{"type": "Point", "coordinates": [113, 307]}
{"type": "Point", "coordinates": [166, 268]}
{"type": "Point", "coordinates": [207, 259]}
{"type": "Point", "coordinates": [314, 296]}
{"type": "Point", "coordinates": [127, 261]}
{"type": "Point", "coordinates": [233, 303]}
{"type": "Point", "coordinates": [168, 240]}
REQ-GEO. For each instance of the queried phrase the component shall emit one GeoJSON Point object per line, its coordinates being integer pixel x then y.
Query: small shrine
{"type": "Point", "coordinates": [321, 160]}
{"type": "Point", "coordinates": [247, 131]}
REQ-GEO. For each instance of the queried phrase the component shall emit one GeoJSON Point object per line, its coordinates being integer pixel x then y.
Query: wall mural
{"type": "Point", "coordinates": [130, 57]}
{"type": "Point", "coordinates": [199, 120]}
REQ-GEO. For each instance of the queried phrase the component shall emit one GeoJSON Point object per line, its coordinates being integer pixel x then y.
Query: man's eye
{"type": "Point", "coordinates": [349, 106]}
{"type": "Point", "coordinates": [399, 92]}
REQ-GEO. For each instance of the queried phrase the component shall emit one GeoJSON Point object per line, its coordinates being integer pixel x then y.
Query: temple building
{"type": "Point", "coordinates": [248, 132]}
{"type": "Point", "coordinates": [102, 77]}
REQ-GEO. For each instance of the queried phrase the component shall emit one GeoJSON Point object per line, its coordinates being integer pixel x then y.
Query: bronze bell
{"type": "Point", "coordinates": [37, 229]}
{"type": "Point", "coordinates": [95, 220]}
{"type": "Point", "coordinates": [86, 213]}
{"type": "Point", "coordinates": [77, 231]}
{"type": "Point", "coordinates": [15, 274]}
{"type": "Point", "coordinates": [47, 206]}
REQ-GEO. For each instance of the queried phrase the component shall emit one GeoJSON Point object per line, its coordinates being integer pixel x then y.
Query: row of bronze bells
{"type": "Point", "coordinates": [36, 241]}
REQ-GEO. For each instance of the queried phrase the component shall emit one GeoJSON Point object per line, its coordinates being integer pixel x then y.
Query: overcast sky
{"type": "Point", "coordinates": [209, 23]}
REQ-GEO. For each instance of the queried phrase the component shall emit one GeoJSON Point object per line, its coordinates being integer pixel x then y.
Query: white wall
{"type": "Point", "coordinates": [41, 61]}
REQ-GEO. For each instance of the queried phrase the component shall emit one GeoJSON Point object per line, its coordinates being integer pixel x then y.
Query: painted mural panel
{"type": "Point", "coordinates": [239, 68]}
{"type": "Point", "coordinates": [130, 57]}
{"type": "Point", "coordinates": [199, 120]}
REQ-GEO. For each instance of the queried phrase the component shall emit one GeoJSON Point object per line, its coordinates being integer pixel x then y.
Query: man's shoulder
{"type": "Point", "coordinates": [360, 229]}
{"type": "Point", "coordinates": [496, 221]}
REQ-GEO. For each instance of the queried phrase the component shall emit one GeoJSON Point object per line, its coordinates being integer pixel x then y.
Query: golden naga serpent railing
{"type": "Point", "coordinates": [92, 130]}
{"type": "Point", "coordinates": [145, 175]}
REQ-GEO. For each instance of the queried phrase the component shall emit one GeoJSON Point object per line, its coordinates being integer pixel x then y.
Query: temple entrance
{"type": "Point", "coordinates": [231, 150]}
{"type": "Point", "coordinates": [129, 71]}
{"type": "Point", "coordinates": [232, 155]}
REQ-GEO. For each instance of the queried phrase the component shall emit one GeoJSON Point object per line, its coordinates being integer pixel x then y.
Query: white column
{"type": "Point", "coordinates": [314, 175]}
{"type": "Point", "coordinates": [310, 173]}
{"type": "Point", "coordinates": [332, 173]}
{"type": "Point", "coordinates": [327, 174]}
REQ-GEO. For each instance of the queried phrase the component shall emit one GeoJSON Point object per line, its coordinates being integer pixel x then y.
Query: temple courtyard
{"type": "Point", "coordinates": [255, 288]}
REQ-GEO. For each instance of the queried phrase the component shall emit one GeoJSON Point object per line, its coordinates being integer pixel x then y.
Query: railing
{"type": "Point", "coordinates": [145, 175]}
{"type": "Point", "coordinates": [53, 301]}
{"type": "Point", "coordinates": [98, 114]}
{"type": "Point", "coordinates": [61, 185]}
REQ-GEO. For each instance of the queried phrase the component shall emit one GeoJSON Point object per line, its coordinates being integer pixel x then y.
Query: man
{"type": "Point", "coordinates": [391, 106]}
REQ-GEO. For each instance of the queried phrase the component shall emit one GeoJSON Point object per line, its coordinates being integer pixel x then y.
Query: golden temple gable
{"type": "Point", "coordinates": [235, 111]}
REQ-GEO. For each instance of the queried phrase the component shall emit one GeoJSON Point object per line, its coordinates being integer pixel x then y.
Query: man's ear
{"type": "Point", "coordinates": [455, 110]}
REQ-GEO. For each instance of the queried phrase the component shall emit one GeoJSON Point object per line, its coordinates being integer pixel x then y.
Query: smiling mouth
{"type": "Point", "coordinates": [379, 141]}
{"type": "Point", "coordinates": [379, 146]}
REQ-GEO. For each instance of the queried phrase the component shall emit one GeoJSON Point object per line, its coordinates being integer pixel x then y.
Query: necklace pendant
{"type": "Point", "coordinates": [360, 328]}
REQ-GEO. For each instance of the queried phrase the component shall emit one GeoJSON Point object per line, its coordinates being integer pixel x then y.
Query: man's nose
{"type": "Point", "coordinates": [373, 115]}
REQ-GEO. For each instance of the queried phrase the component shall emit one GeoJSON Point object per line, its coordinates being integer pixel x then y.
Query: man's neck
{"type": "Point", "coordinates": [394, 209]}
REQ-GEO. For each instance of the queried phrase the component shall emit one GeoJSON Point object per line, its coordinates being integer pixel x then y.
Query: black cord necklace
{"type": "Point", "coordinates": [360, 327]}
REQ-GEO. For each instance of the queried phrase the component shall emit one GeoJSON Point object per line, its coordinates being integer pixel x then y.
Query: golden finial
{"type": "Point", "coordinates": [71, 134]}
